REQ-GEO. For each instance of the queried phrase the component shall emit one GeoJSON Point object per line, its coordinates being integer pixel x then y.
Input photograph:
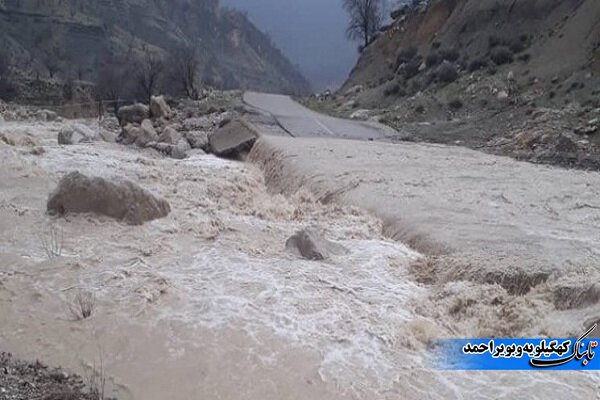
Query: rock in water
{"type": "Point", "coordinates": [234, 140]}
{"type": "Point", "coordinates": [159, 107]}
{"type": "Point", "coordinates": [180, 149]}
{"type": "Point", "coordinates": [118, 198]}
{"type": "Point", "coordinates": [75, 134]}
{"type": "Point", "coordinates": [133, 114]}
{"type": "Point", "coordinates": [312, 246]}
{"type": "Point", "coordinates": [198, 139]}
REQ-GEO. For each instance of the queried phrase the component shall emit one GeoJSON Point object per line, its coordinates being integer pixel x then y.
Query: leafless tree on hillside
{"type": "Point", "coordinates": [7, 90]}
{"type": "Point", "coordinates": [110, 82]}
{"type": "Point", "coordinates": [148, 74]}
{"type": "Point", "coordinates": [365, 19]}
{"type": "Point", "coordinates": [186, 70]}
{"type": "Point", "coordinates": [52, 65]}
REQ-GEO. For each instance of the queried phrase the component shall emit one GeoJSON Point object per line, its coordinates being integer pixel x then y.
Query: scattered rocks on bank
{"type": "Point", "coordinates": [361, 115]}
{"type": "Point", "coordinates": [146, 134]}
{"type": "Point", "coordinates": [234, 140]}
{"type": "Point", "coordinates": [117, 198]}
{"type": "Point", "coordinates": [310, 245]}
{"type": "Point", "coordinates": [169, 135]}
{"type": "Point", "coordinates": [75, 134]}
{"type": "Point", "coordinates": [23, 380]}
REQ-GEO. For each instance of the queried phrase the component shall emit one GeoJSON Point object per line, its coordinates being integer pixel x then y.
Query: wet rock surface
{"type": "Point", "coordinates": [309, 244]}
{"type": "Point", "coordinates": [117, 198]}
{"type": "Point", "coordinates": [234, 140]}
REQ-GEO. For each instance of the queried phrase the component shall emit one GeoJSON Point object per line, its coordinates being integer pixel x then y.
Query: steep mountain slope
{"type": "Point", "coordinates": [553, 36]}
{"type": "Point", "coordinates": [515, 77]}
{"type": "Point", "coordinates": [75, 37]}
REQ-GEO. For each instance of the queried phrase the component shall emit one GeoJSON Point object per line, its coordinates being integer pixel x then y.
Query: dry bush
{"type": "Point", "coordinates": [52, 243]}
{"type": "Point", "coordinates": [97, 382]}
{"type": "Point", "coordinates": [82, 306]}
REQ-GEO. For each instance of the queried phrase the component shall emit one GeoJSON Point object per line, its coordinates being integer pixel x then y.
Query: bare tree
{"type": "Point", "coordinates": [51, 62]}
{"type": "Point", "coordinates": [110, 81]}
{"type": "Point", "coordinates": [7, 89]}
{"type": "Point", "coordinates": [365, 19]}
{"type": "Point", "coordinates": [186, 70]}
{"type": "Point", "coordinates": [148, 73]}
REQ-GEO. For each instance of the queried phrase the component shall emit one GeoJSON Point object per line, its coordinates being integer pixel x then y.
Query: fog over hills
{"type": "Point", "coordinates": [311, 33]}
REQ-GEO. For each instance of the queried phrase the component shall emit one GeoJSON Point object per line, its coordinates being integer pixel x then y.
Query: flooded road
{"type": "Point", "coordinates": [206, 303]}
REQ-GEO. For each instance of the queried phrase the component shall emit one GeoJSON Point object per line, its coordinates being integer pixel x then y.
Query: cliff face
{"type": "Point", "coordinates": [74, 37]}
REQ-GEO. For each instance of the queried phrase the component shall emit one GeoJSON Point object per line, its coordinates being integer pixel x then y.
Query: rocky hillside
{"type": "Point", "coordinates": [75, 38]}
{"type": "Point", "coordinates": [517, 77]}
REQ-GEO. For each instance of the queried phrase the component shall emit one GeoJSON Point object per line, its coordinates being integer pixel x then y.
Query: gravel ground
{"type": "Point", "coordinates": [20, 380]}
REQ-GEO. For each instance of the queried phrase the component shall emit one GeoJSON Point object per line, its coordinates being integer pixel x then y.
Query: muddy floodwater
{"type": "Point", "coordinates": [207, 304]}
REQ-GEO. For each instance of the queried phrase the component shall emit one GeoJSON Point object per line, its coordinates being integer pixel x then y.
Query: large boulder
{"type": "Point", "coordinates": [75, 134]}
{"type": "Point", "coordinates": [310, 245]}
{"type": "Point", "coordinates": [159, 107]}
{"type": "Point", "coordinates": [180, 150]}
{"type": "Point", "coordinates": [133, 114]}
{"type": "Point", "coordinates": [169, 135]}
{"type": "Point", "coordinates": [147, 134]}
{"type": "Point", "coordinates": [234, 140]}
{"type": "Point", "coordinates": [117, 198]}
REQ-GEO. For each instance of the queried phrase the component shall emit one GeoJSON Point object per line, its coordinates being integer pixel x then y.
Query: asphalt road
{"type": "Point", "coordinates": [300, 121]}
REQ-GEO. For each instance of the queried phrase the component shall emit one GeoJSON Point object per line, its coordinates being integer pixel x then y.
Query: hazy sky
{"type": "Point", "coordinates": [311, 33]}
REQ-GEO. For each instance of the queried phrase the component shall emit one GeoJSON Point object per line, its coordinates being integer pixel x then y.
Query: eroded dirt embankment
{"type": "Point", "coordinates": [512, 247]}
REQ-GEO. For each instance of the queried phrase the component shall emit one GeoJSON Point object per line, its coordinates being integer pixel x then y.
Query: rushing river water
{"type": "Point", "coordinates": [206, 303]}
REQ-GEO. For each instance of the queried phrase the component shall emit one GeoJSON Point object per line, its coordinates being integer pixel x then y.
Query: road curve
{"type": "Point", "coordinates": [300, 121]}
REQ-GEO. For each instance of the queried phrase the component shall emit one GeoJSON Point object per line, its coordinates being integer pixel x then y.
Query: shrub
{"type": "Point", "coordinates": [416, 85]}
{"type": "Point", "coordinates": [451, 54]}
{"type": "Point", "coordinates": [455, 103]}
{"type": "Point", "coordinates": [477, 64]}
{"type": "Point", "coordinates": [406, 55]}
{"type": "Point", "coordinates": [517, 46]}
{"type": "Point", "coordinates": [447, 72]}
{"type": "Point", "coordinates": [494, 41]}
{"type": "Point", "coordinates": [501, 55]}
{"type": "Point", "coordinates": [391, 90]}
{"type": "Point", "coordinates": [524, 57]}
{"type": "Point", "coordinates": [433, 59]}
{"type": "Point", "coordinates": [411, 68]}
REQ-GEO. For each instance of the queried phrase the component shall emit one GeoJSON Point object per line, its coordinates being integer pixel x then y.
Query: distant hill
{"type": "Point", "coordinates": [75, 38]}
{"type": "Point", "coordinates": [311, 33]}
